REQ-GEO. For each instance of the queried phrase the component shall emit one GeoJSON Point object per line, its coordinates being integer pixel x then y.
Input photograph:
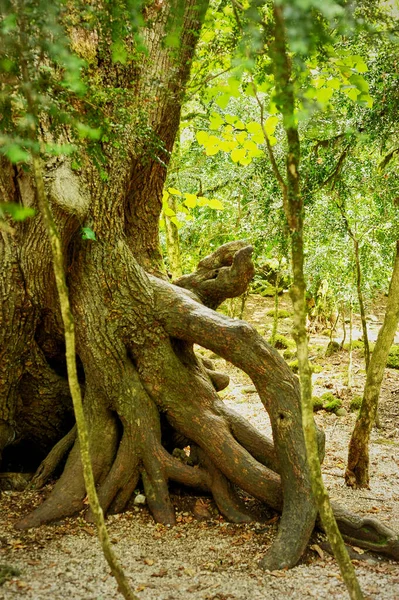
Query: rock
{"type": "Point", "coordinates": [140, 500]}
{"type": "Point", "coordinates": [341, 412]}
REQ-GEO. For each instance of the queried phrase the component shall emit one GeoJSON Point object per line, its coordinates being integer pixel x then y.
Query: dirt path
{"type": "Point", "coordinates": [211, 559]}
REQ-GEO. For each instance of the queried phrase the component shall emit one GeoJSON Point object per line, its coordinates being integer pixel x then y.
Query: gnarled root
{"type": "Point", "coordinates": [53, 459]}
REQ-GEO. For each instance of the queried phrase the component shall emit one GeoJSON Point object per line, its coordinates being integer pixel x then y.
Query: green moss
{"type": "Point", "coordinates": [331, 403]}
{"type": "Point", "coordinates": [355, 403]}
{"type": "Point", "coordinates": [282, 314]}
{"type": "Point", "coordinates": [289, 353]}
{"type": "Point", "coordinates": [282, 342]}
{"type": "Point", "coordinates": [393, 357]}
{"type": "Point", "coordinates": [317, 403]}
{"type": "Point", "coordinates": [356, 345]}
{"type": "Point", "coordinates": [293, 365]}
{"type": "Point", "coordinates": [332, 348]}
{"type": "Point", "coordinates": [328, 397]}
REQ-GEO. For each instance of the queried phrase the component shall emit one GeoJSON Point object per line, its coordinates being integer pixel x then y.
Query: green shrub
{"type": "Point", "coordinates": [316, 368]}
{"type": "Point", "coordinates": [393, 357]}
{"type": "Point", "coordinates": [355, 403]}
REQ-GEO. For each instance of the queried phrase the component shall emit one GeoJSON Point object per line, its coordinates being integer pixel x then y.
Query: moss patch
{"type": "Point", "coordinates": [355, 403]}
{"type": "Point", "coordinates": [281, 314]}
{"type": "Point", "coordinates": [282, 342]}
{"type": "Point", "coordinates": [393, 357]}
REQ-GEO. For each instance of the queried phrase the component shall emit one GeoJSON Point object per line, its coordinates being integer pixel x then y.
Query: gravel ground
{"type": "Point", "coordinates": [211, 559]}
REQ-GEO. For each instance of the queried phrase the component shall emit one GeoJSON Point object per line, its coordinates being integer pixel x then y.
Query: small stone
{"type": "Point", "coordinates": [341, 412]}
{"type": "Point", "coordinates": [139, 500]}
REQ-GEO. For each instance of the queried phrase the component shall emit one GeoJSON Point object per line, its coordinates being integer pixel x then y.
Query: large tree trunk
{"type": "Point", "coordinates": [145, 390]}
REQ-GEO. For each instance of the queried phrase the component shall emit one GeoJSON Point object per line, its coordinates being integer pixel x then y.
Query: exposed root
{"type": "Point", "coordinates": [367, 532]}
{"type": "Point", "coordinates": [53, 459]}
{"type": "Point", "coordinates": [69, 492]}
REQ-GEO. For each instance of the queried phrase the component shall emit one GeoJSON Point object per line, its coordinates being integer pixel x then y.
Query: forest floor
{"type": "Point", "coordinates": [204, 557]}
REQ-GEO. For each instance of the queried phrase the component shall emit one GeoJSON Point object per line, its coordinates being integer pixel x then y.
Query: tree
{"type": "Point", "coordinates": [107, 108]}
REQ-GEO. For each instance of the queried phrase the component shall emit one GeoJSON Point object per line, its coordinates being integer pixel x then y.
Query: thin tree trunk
{"type": "Point", "coordinates": [294, 211]}
{"type": "Point", "coordinates": [275, 314]}
{"type": "Point", "coordinates": [357, 471]}
{"type": "Point", "coordinates": [361, 302]}
{"type": "Point", "coordinates": [172, 241]}
{"type": "Point", "coordinates": [350, 364]}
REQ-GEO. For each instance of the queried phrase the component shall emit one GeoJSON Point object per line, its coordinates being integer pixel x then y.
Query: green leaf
{"type": "Point", "coordinates": [238, 154]}
{"type": "Point", "coordinates": [365, 100]}
{"type": "Point", "coordinates": [88, 234]}
{"type": "Point", "coordinates": [351, 92]}
{"type": "Point", "coordinates": [323, 95]}
{"type": "Point", "coordinates": [254, 127]}
{"type": "Point", "coordinates": [333, 83]}
{"type": "Point", "coordinates": [84, 131]}
{"type": "Point", "coordinates": [15, 153]}
{"type": "Point", "coordinates": [202, 137]}
{"type": "Point", "coordinates": [216, 121]}
{"type": "Point", "coordinates": [223, 100]}
{"type": "Point", "coordinates": [176, 221]}
{"type": "Point", "coordinates": [234, 87]}
{"type": "Point", "coordinates": [119, 53]}
{"type": "Point", "coordinates": [17, 212]}
{"type": "Point", "coordinates": [270, 125]}
{"type": "Point", "coordinates": [174, 191]}
{"type": "Point", "coordinates": [168, 211]}
{"type": "Point", "coordinates": [360, 82]}
{"type": "Point", "coordinates": [231, 119]}
{"type": "Point", "coordinates": [359, 64]}
{"type": "Point", "coordinates": [212, 150]}
{"type": "Point", "coordinates": [215, 204]}
{"type": "Point", "coordinates": [190, 200]}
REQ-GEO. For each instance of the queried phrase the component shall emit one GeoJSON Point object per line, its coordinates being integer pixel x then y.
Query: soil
{"type": "Point", "coordinates": [204, 557]}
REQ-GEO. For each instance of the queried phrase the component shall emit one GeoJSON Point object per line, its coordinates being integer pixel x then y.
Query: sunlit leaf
{"type": "Point", "coordinates": [237, 154]}
{"type": "Point", "coordinates": [222, 100]}
{"type": "Point", "coordinates": [168, 211]}
{"type": "Point", "coordinates": [190, 200]}
{"type": "Point", "coordinates": [254, 127]}
{"type": "Point", "coordinates": [174, 191]}
{"type": "Point", "coordinates": [202, 137]}
{"type": "Point", "coordinates": [323, 95]}
{"type": "Point", "coordinates": [270, 124]}
{"type": "Point", "coordinates": [215, 204]}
